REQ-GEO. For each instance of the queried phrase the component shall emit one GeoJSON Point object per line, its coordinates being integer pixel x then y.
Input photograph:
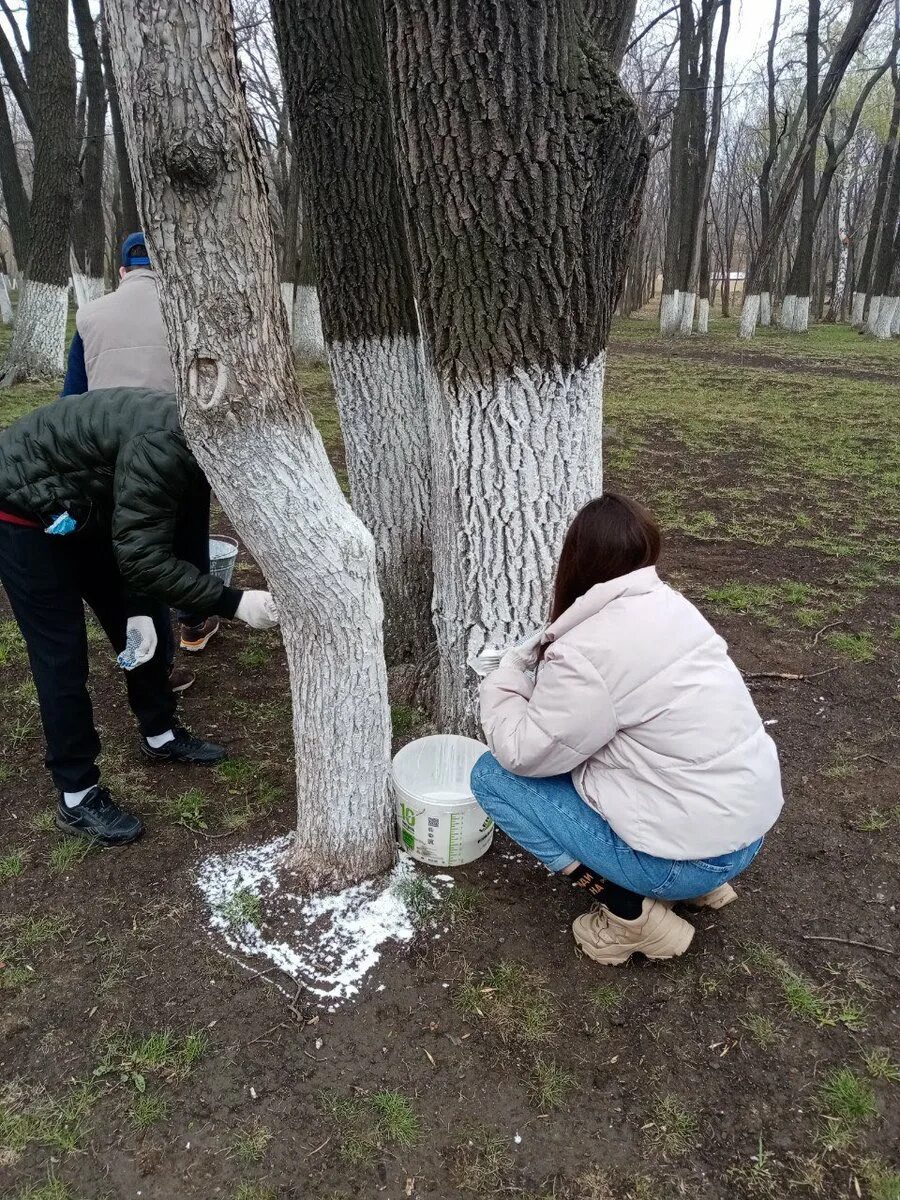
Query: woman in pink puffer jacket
{"type": "Point", "coordinates": [627, 752]}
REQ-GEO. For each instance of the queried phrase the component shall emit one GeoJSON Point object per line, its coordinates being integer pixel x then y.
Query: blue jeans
{"type": "Point", "coordinates": [549, 819]}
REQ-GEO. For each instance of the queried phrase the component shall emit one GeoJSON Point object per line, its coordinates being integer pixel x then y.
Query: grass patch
{"type": "Point", "coordinates": [858, 647]}
{"type": "Point", "coordinates": [11, 865]}
{"type": "Point", "coordinates": [845, 1101]}
{"type": "Point", "coordinates": [253, 1191]}
{"type": "Point", "coordinates": [404, 719]}
{"type": "Point", "coordinates": [765, 601]}
{"type": "Point", "coordinates": [551, 1086]}
{"type": "Point", "coordinates": [12, 644]}
{"type": "Point", "coordinates": [757, 1179]}
{"type": "Point", "coordinates": [68, 853]}
{"type": "Point", "coordinates": [248, 1144]}
{"type": "Point", "coordinates": [367, 1124]}
{"type": "Point", "coordinates": [880, 1064]}
{"type": "Point", "coordinates": [874, 822]}
{"type": "Point", "coordinates": [148, 1109]}
{"type": "Point", "coordinates": [187, 809]}
{"type": "Point", "coordinates": [882, 1181]}
{"type": "Point", "coordinates": [53, 1188]}
{"type": "Point", "coordinates": [512, 1002]}
{"type": "Point", "coordinates": [129, 1059]}
{"type": "Point", "coordinates": [672, 1129]}
{"type": "Point", "coordinates": [482, 1162]}
{"type": "Point", "coordinates": [606, 997]}
{"type": "Point", "coordinates": [21, 938]}
{"type": "Point", "coordinates": [243, 907]}
{"type": "Point", "coordinates": [762, 1030]}
{"type": "Point", "coordinates": [808, 1001]}
{"type": "Point", "coordinates": [254, 655]}
{"type": "Point", "coordinates": [37, 1119]}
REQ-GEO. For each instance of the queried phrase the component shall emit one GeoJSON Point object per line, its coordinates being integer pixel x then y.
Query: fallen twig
{"type": "Point", "coordinates": [821, 937]}
{"type": "Point", "coordinates": [788, 674]}
{"type": "Point", "coordinates": [831, 625]}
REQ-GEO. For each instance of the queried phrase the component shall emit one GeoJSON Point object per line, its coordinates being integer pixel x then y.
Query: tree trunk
{"type": "Point", "coordinates": [88, 227]}
{"type": "Point", "coordinates": [6, 309]}
{"type": "Point", "coordinates": [494, 107]}
{"type": "Point", "coordinates": [307, 338]}
{"type": "Point", "coordinates": [202, 189]}
{"type": "Point", "coordinates": [38, 345]}
{"type": "Point", "coordinates": [883, 273]}
{"type": "Point", "coordinates": [795, 310]}
{"type": "Point", "coordinates": [130, 220]}
{"type": "Point", "coordinates": [14, 195]}
{"type": "Point", "coordinates": [334, 70]}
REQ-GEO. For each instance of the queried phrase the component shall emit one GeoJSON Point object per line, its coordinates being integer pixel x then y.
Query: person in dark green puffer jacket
{"type": "Point", "coordinates": [98, 502]}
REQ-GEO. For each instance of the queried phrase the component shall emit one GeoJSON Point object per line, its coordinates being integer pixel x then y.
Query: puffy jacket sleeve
{"type": "Point", "coordinates": [553, 725]}
{"type": "Point", "coordinates": [154, 474]}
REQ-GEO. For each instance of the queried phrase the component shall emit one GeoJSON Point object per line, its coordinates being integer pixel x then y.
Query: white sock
{"type": "Point", "coordinates": [72, 799]}
{"type": "Point", "coordinates": [160, 739]}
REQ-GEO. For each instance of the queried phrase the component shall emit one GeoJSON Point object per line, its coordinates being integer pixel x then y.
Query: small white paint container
{"type": "Point", "coordinates": [223, 552]}
{"type": "Point", "coordinates": [439, 821]}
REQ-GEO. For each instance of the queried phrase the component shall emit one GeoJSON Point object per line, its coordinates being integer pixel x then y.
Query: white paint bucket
{"type": "Point", "coordinates": [439, 821]}
{"type": "Point", "coordinates": [223, 552]}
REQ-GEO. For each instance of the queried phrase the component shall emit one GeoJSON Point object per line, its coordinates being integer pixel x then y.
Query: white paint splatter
{"type": "Point", "coordinates": [338, 938]}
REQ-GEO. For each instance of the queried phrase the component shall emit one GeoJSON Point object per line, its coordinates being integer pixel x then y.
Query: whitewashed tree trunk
{"type": "Point", "coordinates": [857, 311]}
{"type": "Point", "coordinates": [895, 320]}
{"type": "Point", "coordinates": [765, 309]}
{"type": "Point", "coordinates": [6, 308]}
{"type": "Point", "coordinates": [749, 315]}
{"type": "Point", "coordinates": [670, 313]}
{"type": "Point", "coordinates": [39, 339]}
{"type": "Point", "coordinates": [307, 337]}
{"type": "Point", "coordinates": [801, 314]}
{"type": "Point", "coordinates": [882, 326]}
{"type": "Point", "coordinates": [517, 355]}
{"type": "Point", "coordinates": [703, 316]}
{"type": "Point", "coordinates": [201, 190]}
{"type": "Point", "coordinates": [688, 305]}
{"type": "Point", "coordinates": [872, 318]}
{"type": "Point", "coordinates": [84, 287]}
{"type": "Point", "coordinates": [788, 309]}
{"type": "Point", "coordinates": [287, 299]}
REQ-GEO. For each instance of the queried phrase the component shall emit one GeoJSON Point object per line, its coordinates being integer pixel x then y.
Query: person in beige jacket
{"type": "Point", "coordinates": [626, 750]}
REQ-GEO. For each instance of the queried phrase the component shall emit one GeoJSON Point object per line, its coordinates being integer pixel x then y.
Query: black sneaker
{"type": "Point", "coordinates": [99, 819]}
{"type": "Point", "coordinates": [185, 748]}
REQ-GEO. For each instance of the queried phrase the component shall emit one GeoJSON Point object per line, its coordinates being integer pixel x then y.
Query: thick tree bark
{"type": "Point", "coordinates": [861, 16]}
{"type": "Point", "coordinates": [307, 337]}
{"type": "Point", "coordinates": [38, 343]}
{"type": "Point", "coordinates": [864, 275]}
{"type": "Point", "coordinates": [202, 189]}
{"type": "Point", "coordinates": [88, 227]}
{"type": "Point", "coordinates": [334, 70]}
{"type": "Point", "coordinates": [795, 310]}
{"type": "Point", "coordinates": [130, 220]}
{"type": "Point", "coordinates": [16, 80]}
{"type": "Point", "coordinates": [522, 163]}
{"type": "Point", "coordinates": [884, 299]}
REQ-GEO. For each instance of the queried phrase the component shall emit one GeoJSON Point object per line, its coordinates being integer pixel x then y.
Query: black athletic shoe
{"type": "Point", "coordinates": [185, 748]}
{"type": "Point", "coordinates": [99, 819]}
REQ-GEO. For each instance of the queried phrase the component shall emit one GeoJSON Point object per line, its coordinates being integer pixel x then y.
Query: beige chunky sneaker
{"type": "Point", "coordinates": [611, 940]}
{"type": "Point", "coordinates": [717, 898]}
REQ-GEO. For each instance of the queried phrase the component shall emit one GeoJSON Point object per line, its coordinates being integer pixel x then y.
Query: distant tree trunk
{"type": "Point", "coordinates": [704, 297]}
{"type": "Point", "coordinates": [836, 303]}
{"type": "Point", "coordinates": [129, 220]}
{"type": "Point", "coordinates": [38, 343]}
{"type": "Point", "coordinates": [203, 192]}
{"type": "Point", "coordinates": [884, 298]}
{"type": "Point", "coordinates": [307, 338]}
{"type": "Point", "coordinates": [494, 105]}
{"type": "Point", "coordinates": [860, 18]}
{"type": "Point", "coordinates": [88, 227]}
{"type": "Point", "coordinates": [290, 239]}
{"type": "Point", "coordinates": [334, 69]}
{"type": "Point", "coordinates": [863, 278]}
{"type": "Point", "coordinates": [14, 195]}
{"type": "Point", "coordinates": [795, 310]}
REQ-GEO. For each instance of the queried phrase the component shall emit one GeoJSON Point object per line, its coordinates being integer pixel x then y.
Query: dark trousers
{"type": "Point", "coordinates": [191, 544]}
{"type": "Point", "coordinates": [47, 579]}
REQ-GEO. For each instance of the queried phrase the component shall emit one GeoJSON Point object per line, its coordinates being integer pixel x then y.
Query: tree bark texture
{"type": "Point", "coordinates": [800, 278]}
{"type": "Point", "coordinates": [307, 337]}
{"type": "Point", "coordinates": [522, 162]}
{"type": "Point", "coordinates": [130, 220]}
{"type": "Point", "coordinates": [201, 186]}
{"type": "Point", "coordinates": [864, 275]}
{"type": "Point", "coordinates": [15, 197]}
{"type": "Point", "coordinates": [334, 68]}
{"type": "Point", "coordinates": [88, 226]}
{"type": "Point", "coordinates": [38, 344]}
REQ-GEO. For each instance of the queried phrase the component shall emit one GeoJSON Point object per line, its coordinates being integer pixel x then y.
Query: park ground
{"type": "Point", "coordinates": [136, 1060]}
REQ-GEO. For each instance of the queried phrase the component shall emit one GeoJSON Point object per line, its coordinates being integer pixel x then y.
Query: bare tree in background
{"type": "Point", "coordinates": [88, 223]}
{"type": "Point", "coordinates": [202, 189]}
{"type": "Point", "coordinates": [522, 162]}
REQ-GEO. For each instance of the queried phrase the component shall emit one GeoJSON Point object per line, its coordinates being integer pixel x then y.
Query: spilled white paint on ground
{"type": "Point", "coordinates": [327, 944]}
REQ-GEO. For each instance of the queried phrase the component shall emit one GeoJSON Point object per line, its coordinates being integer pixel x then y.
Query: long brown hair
{"type": "Point", "coordinates": [610, 537]}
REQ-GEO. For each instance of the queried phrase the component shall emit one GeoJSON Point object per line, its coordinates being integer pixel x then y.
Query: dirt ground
{"type": "Point", "coordinates": [138, 1060]}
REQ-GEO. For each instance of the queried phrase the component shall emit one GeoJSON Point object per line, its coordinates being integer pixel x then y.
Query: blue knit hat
{"type": "Point", "coordinates": [134, 251]}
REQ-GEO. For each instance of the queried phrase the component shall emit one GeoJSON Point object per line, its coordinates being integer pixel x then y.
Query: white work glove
{"type": "Point", "coordinates": [140, 643]}
{"type": "Point", "coordinates": [524, 656]}
{"type": "Point", "coordinates": [257, 609]}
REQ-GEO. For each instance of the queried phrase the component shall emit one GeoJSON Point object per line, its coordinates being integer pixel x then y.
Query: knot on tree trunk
{"type": "Point", "coordinates": [192, 164]}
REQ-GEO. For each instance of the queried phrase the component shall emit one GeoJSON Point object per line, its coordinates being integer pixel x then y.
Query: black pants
{"type": "Point", "coordinates": [191, 544]}
{"type": "Point", "coordinates": [46, 579]}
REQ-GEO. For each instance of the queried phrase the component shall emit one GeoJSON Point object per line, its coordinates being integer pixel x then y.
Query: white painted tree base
{"type": "Point", "coordinates": [895, 321]}
{"type": "Point", "coordinates": [795, 314]}
{"type": "Point", "coordinates": [38, 346]}
{"type": "Point", "coordinates": [287, 299]}
{"type": "Point", "coordinates": [670, 313]}
{"type": "Point", "coordinates": [688, 304]}
{"type": "Point", "coordinates": [87, 288]}
{"type": "Point", "coordinates": [765, 309]}
{"type": "Point", "coordinates": [786, 318]}
{"type": "Point", "coordinates": [857, 309]}
{"type": "Point", "coordinates": [306, 329]}
{"type": "Point", "coordinates": [872, 318]}
{"type": "Point", "coordinates": [703, 316]}
{"type": "Point", "coordinates": [324, 944]}
{"type": "Point", "coordinates": [515, 457]}
{"type": "Point", "coordinates": [379, 386]}
{"type": "Point", "coordinates": [749, 315]}
{"type": "Point", "coordinates": [884, 322]}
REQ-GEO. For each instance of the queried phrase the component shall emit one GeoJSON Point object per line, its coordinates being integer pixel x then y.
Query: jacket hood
{"type": "Point", "coordinates": [635, 583]}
